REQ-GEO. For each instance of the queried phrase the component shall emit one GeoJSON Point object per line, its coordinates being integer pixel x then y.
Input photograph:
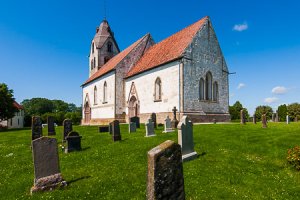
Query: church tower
{"type": "Point", "coordinates": [103, 47]}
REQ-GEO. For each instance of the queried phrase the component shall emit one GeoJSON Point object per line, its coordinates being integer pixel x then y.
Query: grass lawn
{"type": "Point", "coordinates": [236, 162]}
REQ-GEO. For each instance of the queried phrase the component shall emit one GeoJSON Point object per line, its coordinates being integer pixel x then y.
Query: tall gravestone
{"type": "Point", "coordinates": [165, 172]}
{"type": "Point", "coordinates": [136, 120]}
{"type": "Point", "coordinates": [132, 127]}
{"type": "Point", "coordinates": [51, 128]}
{"type": "Point", "coordinates": [254, 119]}
{"type": "Point", "coordinates": [47, 174]}
{"type": "Point", "coordinates": [115, 130]}
{"type": "Point", "coordinates": [174, 121]}
{"type": "Point", "coordinates": [277, 117]}
{"type": "Point", "coordinates": [67, 128]}
{"type": "Point", "coordinates": [36, 128]}
{"type": "Point", "coordinates": [168, 125]}
{"type": "Point", "coordinates": [273, 117]}
{"type": "Point", "coordinates": [243, 116]}
{"type": "Point", "coordinates": [149, 126]}
{"type": "Point", "coordinates": [264, 121]}
{"type": "Point", "coordinates": [287, 119]}
{"type": "Point", "coordinates": [153, 118]}
{"type": "Point", "coordinates": [186, 139]}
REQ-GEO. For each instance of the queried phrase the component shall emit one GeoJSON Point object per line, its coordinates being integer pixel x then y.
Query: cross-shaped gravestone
{"type": "Point", "coordinates": [174, 122]}
{"type": "Point", "coordinates": [168, 125]}
{"type": "Point", "coordinates": [149, 128]}
{"type": "Point", "coordinates": [51, 128]}
{"type": "Point", "coordinates": [36, 128]}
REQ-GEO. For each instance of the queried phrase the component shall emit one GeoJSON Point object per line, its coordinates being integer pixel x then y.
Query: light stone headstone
{"type": "Point", "coordinates": [36, 128]}
{"type": "Point", "coordinates": [273, 117]}
{"type": "Point", "coordinates": [149, 128]}
{"type": "Point", "coordinates": [165, 172]}
{"type": "Point", "coordinates": [185, 139]}
{"type": "Point", "coordinates": [67, 128]}
{"type": "Point", "coordinates": [168, 125]}
{"type": "Point", "coordinates": [277, 117]}
{"type": "Point", "coordinates": [287, 119]}
{"type": "Point", "coordinates": [264, 121]}
{"type": "Point", "coordinates": [243, 117]}
{"type": "Point", "coordinates": [115, 131]}
{"type": "Point", "coordinates": [132, 127]}
{"type": "Point", "coordinates": [46, 165]}
{"type": "Point", "coordinates": [51, 128]}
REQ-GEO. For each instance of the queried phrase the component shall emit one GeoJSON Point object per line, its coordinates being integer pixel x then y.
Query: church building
{"type": "Point", "coordinates": [186, 70]}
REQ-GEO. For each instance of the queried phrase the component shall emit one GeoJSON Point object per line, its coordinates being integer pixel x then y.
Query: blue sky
{"type": "Point", "coordinates": [44, 44]}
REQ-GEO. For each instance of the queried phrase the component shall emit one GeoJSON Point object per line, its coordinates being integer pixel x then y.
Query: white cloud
{"type": "Point", "coordinates": [279, 90]}
{"type": "Point", "coordinates": [241, 85]}
{"type": "Point", "coordinates": [240, 27]}
{"type": "Point", "coordinates": [271, 100]}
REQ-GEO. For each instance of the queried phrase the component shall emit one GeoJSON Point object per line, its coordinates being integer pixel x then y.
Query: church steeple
{"type": "Point", "coordinates": [103, 47]}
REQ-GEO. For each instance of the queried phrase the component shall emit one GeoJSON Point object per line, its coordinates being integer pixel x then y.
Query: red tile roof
{"type": "Point", "coordinates": [112, 63]}
{"type": "Point", "coordinates": [167, 50]}
{"type": "Point", "coordinates": [18, 106]}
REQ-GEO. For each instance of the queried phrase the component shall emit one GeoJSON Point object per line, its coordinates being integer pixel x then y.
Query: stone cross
{"type": "Point", "coordinates": [51, 128]}
{"type": "Point", "coordinates": [168, 125]}
{"type": "Point", "coordinates": [36, 128]}
{"type": "Point", "coordinates": [165, 172]}
{"type": "Point", "coordinates": [185, 139]}
{"type": "Point", "coordinates": [73, 142]}
{"type": "Point", "coordinates": [67, 128]}
{"type": "Point", "coordinates": [136, 120]}
{"type": "Point", "coordinates": [115, 130]}
{"type": "Point", "coordinates": [174, 122]}
{"type": "Point", "coordinates": [153, 118]}
{"type": "Point", "coordinates": [287, 119]}
{"type": "Point", "coordinates": [243, 117]}
{"type": "Point", "coordinates": [254, 119]}
{"type": "Point", "coordinates": [132, 127]}
{"type": "Point", "coordinates": [46, 165]}
{"type": "Point", "coordinates": [264, 121]}
{"type": "Point", "coordinates": [149, 128]}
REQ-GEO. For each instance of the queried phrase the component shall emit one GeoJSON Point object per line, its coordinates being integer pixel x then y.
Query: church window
{"type": "Point", "coordinates": [106, 59]}
{"type": "Point", "coordinates": [109, 47]}
{"type": "Point", "coordinates": [157, 90]}
{"type": "Point", "coordinates": [94, 62]}
{"type": "Point", "coordinates": [95, 95]}
{"type": "Point", "coordinates": [105, 92]}
{"type": "Point", "coordinates": [215, 91]}
{"type": "Point", "coordinates": [208, 86]}
{"type": "Point", "coordinates": [93, 47]}
{"type": "Point", "coordinates": [201, 89]}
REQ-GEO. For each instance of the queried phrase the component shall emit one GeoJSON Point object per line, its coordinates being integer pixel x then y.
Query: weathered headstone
{"type": "Point", "coordinates": [287, 119]}
{"type": "Point", "coordinates": [73, 142]}
{"type": "Point", "coordinates": [103, 128]}
{"type": "Point", "coordinates": [296, 119]}
{"type": "Point", "coordinates": [36, 128]}
{"type": "Point", "coordinates": [132, 127]}
{"type": "Point", "coordinates": [254, 119]}
{"type": "Point", "coordinates": [174, 122]}
{"type": "Point", "coordinates": [264, 121]}
{"type": "Point", "coordinates": [46, 165]}
{"type": "Point", "coordinates": [153, 118]}
{"type": "Point", "coordinates": [168, 125]}
{"type": "Point", "coordinates": [149, 128]}
{"type": "Point", "coordinates": [273, 117]}
{"type": "Point", "coordinates": [185, 139]}
{"type": "Point", "coordinates": [51, 128]}
{"type": "Point", "coordinates": [165, 172]}
{"type": "Point", "coordinates": [136, 120]}
{"type": "Point", "coordinates": [67, 128]}
{"type": "Point", "coordinates": [277, 117]}
{"type": "Point", "coordinates": [243, 116]}
{"type": "Point", "coordinates": [115, 130]}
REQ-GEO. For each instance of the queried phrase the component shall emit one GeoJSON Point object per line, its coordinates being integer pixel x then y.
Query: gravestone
{"type": "Point", "coordinates": [174, 122]}
{"type": "Point", "coordinates": [254, 119]}
{"type": "Point", "coordinates": [185, 139]}
{"type": "Point", "coordinates": [277, 117]}
{"type": "Point", "coordinates": [165, 172]}
{"type": "Point", "coordinates": [103, 128]}
{"type": "Point", "coordinates": [153, 118]}
{"type": "Point", "coordinates": [296, 119]}
{"type": "Point", "coordinates": [132, 127]}
{"type": "Point", "coordinates": [273, 117]}
{"type": "Point", "coordinates": [110, 127]}
{"type": "Point", "coordinates": [243, 116]}
{"type": "Point", "coordinates": [51, 128]}
{"type": "Point", "coordinates": [73, 142]}
{"type": "Point", "coordinates": [136, 120]}
{"type": "Point", "coordinates": [36, 128]}
{"type": "Point", "coordinates": [287, 119]}
{"type": "Point", "coordinates": [168, 125]}
{"type": "Point", "coordinates": [46, 165]}
{"type": "Point", "coordinates": [67, 128]}
{"type": "Point", "coordinates": [264, 121]}
{"type": "Point", "coordinates": [149, 128]}
{"type": "Point", "coordinates": [115, 131]}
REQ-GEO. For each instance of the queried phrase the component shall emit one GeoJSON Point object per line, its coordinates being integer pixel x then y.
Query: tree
{"type": "Point", "coordinates": [236, 109]}
{"type": "Point", "coordinates": [282, 112]}
{"type": "Point", "coordinates": [37, 106]}
{"type": "Point", "coordinates": [7, 108]}
{"type": "Point", "coordinates": [263, 110]}
{"type": "Point", "coordinates": [293, 110]}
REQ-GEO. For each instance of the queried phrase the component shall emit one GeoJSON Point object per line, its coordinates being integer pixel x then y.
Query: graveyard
{"type": "Point", "coordinates": [234, 161]}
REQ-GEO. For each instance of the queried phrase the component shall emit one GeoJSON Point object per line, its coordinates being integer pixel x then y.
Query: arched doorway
{"type": "Point", "coordinates": [133, 107]}
{"type": "Point", "coordinates": [87, 113]}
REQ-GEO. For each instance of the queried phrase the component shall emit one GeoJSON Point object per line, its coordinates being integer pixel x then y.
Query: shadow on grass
{"type": "Point", "coordinates": [77, 179]}
{"type": "Point", "coordinates": [85, 148]}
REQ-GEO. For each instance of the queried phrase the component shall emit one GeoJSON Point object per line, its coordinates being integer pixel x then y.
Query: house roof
{"type": "Point", "coordinates": [112, 63]}
{"type": "Point", "coordinates": [169, 49]}
{"type": "Point", "coordinates": [18, 106]}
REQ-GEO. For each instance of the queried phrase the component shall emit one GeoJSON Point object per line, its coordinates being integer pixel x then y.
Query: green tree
{"type": "Point", "coordinates": [282, 112]}
{"type": "Point", "coordinates": [60, 106]}
{"type": "Point", "coordinates": [74, 116]}
{"type": "Point", "coordinates": [7, 108]}
{"type": "Point", "coordinates": [293, 110]}
{"type": "Point", "coordinates": [236, 109]}
{"type": "Point", "coordinates": [263, 110]}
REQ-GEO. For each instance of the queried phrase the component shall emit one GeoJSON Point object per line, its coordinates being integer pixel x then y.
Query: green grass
{"type": "Point", "coordinates": [236, 162]}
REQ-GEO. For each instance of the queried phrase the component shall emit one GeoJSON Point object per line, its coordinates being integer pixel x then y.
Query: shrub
{"type": "Point", "coordinates": [293, 157]}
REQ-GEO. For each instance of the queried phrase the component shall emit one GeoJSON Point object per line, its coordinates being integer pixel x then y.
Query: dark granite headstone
{"type": "Point", "coordinates": [136, 120]}
{"type": "Point", "coordinates": [243, 116]}
{"type": "Point", "coordinates": [149, 126]}
{"type": "Point", "coordinates": [46, 165]}
{"type": "Point", "coordinates": [254, 119]}
{"type": "Point", "coordinates": [67, 128]}
{"type": "Point", "coordinates": [132, 127]}
{"type": "Point", "coordinates": [153, 118]}
{"type": "Point", "coordinates": [73, 142]}
{"type": "Point", "coordinates": [110, 127]}
{"type": "Point", "coordinates": [36, 128]}
{"type": "Point", "coordinates": [115, 131]}
{"type": "Point", "coordinates": [264, 121]}
{"type": "Point", "coordinates": [174, 122]}
{"type": "Point", "coordinates": [51, 128]}
{"type": "Point", "coordinates": [165, 172]}
{"type": "Point", "coordinates": [103, 128]}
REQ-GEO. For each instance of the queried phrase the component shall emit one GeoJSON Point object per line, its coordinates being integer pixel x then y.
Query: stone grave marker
{"type": "Point", "coordinates": [243, 116]}
{"type": "Point", "coordinates": [153, 118]}
{"type": "Point", "coordinates": [36, 128]}
{"type": "Point", "coordinates": [132, 127]}
{"type": "Point", "coordinates": [115, 131]}
{"type": "Point", "coordinates": [110, 127]}
{"type": "Point", "coordinates": [136, 120]}
{"type": "Point", "coordinates": [174, 121]}
{"type": "Point", "coordinates": [103, 128]}
{"type": "Point", "coordinates": [165, 172]}
{"type": "Point", "coordinates": [67, 128]}
{"type": "Point", "coordinates": [149, 128]}
{"type": "Point", "coordinates": [264, 121]}
{"type": "Point", "coordinates": [277, 117]}
{"type": "Point", "coordinates": [273, 117]}
{"type": "Point", "coordinates": [51, 128]}
{"type": "Point", "coordinates": [73, 142]}
{"type": "Point", "coordinates": [287, 119]}
{"type": "Point", "coordinates": [168, 125]}
{"type": "Point", "coordinates": [47, 174]}
{"type": "Point", "coordinates": [254, 119]}
{"type": "Point", "coordinates": [185, 139]}
{"type": "Point", "coordinates": [296, 119]}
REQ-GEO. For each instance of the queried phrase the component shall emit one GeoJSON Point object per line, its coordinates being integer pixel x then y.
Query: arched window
{"type": "Point", "coordinates": [93, 47]}
{"type": "Point", "coordinates": [201, 89]}
{"type": "Point", "coordinates": [106, 59]}
{"type": "Point", "coordinates": [208, 86]}
{"type": "Point", "coordinates": [215, 91]}
{"type": "Point", "coordinates": [94, 62]}
{"type": "Point", "coordinates": [95, 95]}
{"type": "Point", "coordinates": [109, 47]}
{"type": "Point", "coordinates": [105, 92]}
{"type": "Point", "coordinates": [157, 92]}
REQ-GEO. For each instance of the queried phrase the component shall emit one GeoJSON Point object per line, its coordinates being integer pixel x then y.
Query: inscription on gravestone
{"type": "Point", "coordinates": [51, 128]}
{"type": "Point", "coordinates": [67, 128]}
{"type": "Point", "coordinates": [36, 128]}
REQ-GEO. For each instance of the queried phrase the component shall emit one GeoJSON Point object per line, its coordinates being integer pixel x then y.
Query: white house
{"type": "Point", "coordinates": [17, 121]}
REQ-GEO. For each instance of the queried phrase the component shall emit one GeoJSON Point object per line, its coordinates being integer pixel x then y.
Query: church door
{"type": "Point", "coordinates": [133, 109]}
{"type": "Point", "coordinates": [87, 113]}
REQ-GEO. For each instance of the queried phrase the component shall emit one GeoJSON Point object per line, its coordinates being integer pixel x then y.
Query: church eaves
{"type": "Point", "coordinates": [169, 49]}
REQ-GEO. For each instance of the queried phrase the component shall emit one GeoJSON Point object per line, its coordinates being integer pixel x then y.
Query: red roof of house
{"type": "Point", "coordinates": [18, 106]}
{"type": "Point", "coordinates": [167, 50]}
{"type": "Point", "coordinates": [112, 63]}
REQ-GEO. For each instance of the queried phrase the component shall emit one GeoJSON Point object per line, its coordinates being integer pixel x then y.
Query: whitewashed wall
{"type": "Point", "coordinates": [16, 122]}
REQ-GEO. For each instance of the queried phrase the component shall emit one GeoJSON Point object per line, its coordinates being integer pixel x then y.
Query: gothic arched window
{"type": "Point", "coordinates": [93, 47]}
{"type": "Point", "coordinates": [109, 47]}
{"type": "Point", "coordinates": [215, 91]}
{"type": "Point", "coordinates": [95, 95]}
{"type": "Point", "coordinates": [157, 89]}
{"type": "Point", "coordinates": [94, 62]}
{"type": "Point", "coordinates": [201, 89]}
{"type": "Point", "coordinates": [208, 86]}
{"type": "Point", "coordinates": [105, 92]}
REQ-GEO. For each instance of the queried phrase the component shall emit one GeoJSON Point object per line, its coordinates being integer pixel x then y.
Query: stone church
{"type": "Point", "coordinates": [186, 70]}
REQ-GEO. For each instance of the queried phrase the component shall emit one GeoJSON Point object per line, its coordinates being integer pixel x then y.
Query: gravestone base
{"type": "Point", "coordinates": [48, 183]}
{"type": "Point", "coordinates": [168, 130]}
{"type": "Point", "coordinates": [189, 156]}
{"type": "Point", "coordinates": [150, 135]}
